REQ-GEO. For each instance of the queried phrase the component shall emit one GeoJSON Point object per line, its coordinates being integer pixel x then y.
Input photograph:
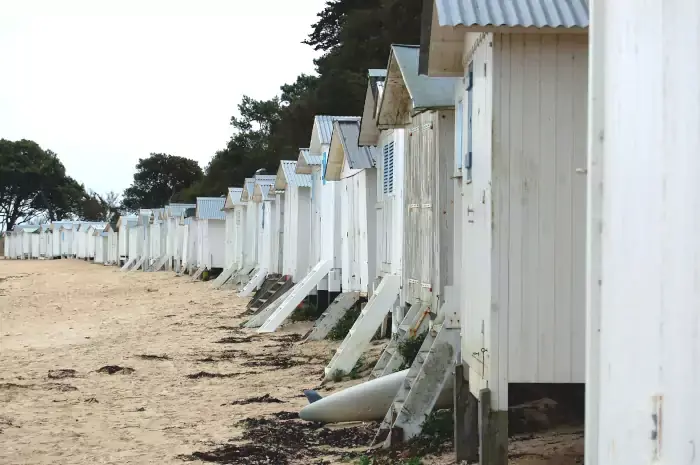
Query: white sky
{"type": "Point", "coordinates": [104, 83]}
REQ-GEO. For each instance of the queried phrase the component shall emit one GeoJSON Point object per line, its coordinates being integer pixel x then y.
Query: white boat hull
{"type": "Point", "coordinates": [368, 401]}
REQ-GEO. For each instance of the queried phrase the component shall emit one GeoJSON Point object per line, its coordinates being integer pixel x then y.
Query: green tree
{"type": "Point", "coordinates": [353, 35]}
{"type": "Point", "coordinates": [33, 182]}
{"type": "Point", "coordinates": [160, 179]}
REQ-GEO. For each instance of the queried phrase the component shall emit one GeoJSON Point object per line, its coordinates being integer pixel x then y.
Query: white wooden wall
{"type": "Point", "coordinates": [276, 218]}
{"type": "Point", "coordinates": [67, 242]}
{"type": "Point", "coordinates": [316, 213]}
{"type": "Point", "coordinates": [230, 238]}
{"type": "Point", "coordinates": [250, 245]}
{"type": "Point", "coordinates": [643, 384]}
{"type": "Point", "coordinates": [155, 242]}
{"type": "Point", "coordinates": [297, 234]}
{"type": "Point", "coordinates": [428, 207]}
{"type": "Point", "coordinates": [215, 246]}
{"type": "Point", "coordinates": [358, 196]}
{"type": "Point", "coordinates": [389, 208]}
{"type": "Point", "coordinates": [134, 242]}
{"type": "Point", "coordinates": [124, 242]}
{"type": "Point", "coordinates": [56, 243]}
{"type": "Point", "coordinates": [99, 251]}
{"type": "Point", "coordinates": [524, 212]}
{"type": "Point", "coordinates": [239, 234]}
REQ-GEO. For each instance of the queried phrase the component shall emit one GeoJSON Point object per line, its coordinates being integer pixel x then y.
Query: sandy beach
{"type": "Point", "coordinates": [100, 366]}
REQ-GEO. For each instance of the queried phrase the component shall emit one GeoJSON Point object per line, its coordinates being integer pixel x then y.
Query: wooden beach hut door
{"type": "Point", "coordinates": [476, 245]}
{"type": "Point", "coordinates": [419, 185]}
{"type": "Point", "coordinates": [385, 207]}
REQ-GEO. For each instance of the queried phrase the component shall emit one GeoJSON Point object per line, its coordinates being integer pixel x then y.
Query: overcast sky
{"type": "Point", "coordinates": [104, 83]}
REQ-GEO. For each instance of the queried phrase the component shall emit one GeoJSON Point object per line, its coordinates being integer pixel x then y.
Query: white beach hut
{"type": "Point", "coordinates": [5, 244]}
{"type": "Point", "coordinates": [296, 195]}
{"type": "Point", "coordinates": [25, 232]}
{"type": "Point", "coordinates": [265, 230]}
{"type": "Point", "coordinates": [211, 228]}
{"type": "Point", "coordinates": [143, 228]}
{"type": "Point", "coordinates": [234, 210]}
{"type": "Point", "coordinates": [250, 237]}
{"type": "Point", "coordinates": [112, 252]}
{"type": "Point", "coordinates": [100, 243]}
{"type": "Point", "coordinates": [352, 168]}
{"type": "Point", "coordinates": [58, 238]}
{"type": "Point", "coordinates": [325, 253]}
{"type": "Point", "coordinates": [521, 161]}
{"type": "Point", "coordinates": [174, 235]}
{"type": "Point", "coordinates": [643, 376]}
{"type": "Point", "coordinates": [124, 226]}
{"type": "Point", "coordinates": [44, 241]}
{"type": "Point", "coordinates": [189, 244]}
{"type": "Point", "coordinates": [67, 230]}
{"type": "Point", "coordinates": [35, 239]}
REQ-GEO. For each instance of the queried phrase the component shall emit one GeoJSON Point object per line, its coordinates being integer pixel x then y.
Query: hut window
{"type": "Point", "coordinates": [238, 218]}
{"type": "Point", "coordinates": [388, 167]}
{"type": "Point", "coordinates": [470, 106]}
{"type": "Point", "coordinates": [458, 139]}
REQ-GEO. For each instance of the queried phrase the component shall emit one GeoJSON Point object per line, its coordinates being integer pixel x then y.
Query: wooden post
{"type": "Point", "coordinates": [493, 432]}
{"type": "Point", "coordinates": [466, 417]}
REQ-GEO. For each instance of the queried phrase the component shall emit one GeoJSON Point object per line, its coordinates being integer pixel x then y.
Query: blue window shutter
{"type": "Point", "coordinates": [324, 166]}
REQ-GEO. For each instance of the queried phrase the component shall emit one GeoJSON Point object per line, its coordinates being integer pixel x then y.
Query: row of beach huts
{"type": "Point", "coordinates": [459, 204]}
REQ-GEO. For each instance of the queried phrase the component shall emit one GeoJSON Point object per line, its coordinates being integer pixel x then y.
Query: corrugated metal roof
{"type": "Point", "coordinates": [425, 92]}
{"type": "Point", "coordinates": [176, 210]}
{"type": "Point", "coordinates": [292, 177]}
{"type": "Point", "coordinates": [263, 184]}
{"type": "Point", "coordinates": [358, 157]}
{"type": "Point", "coordinates": [28, 228]}
{"type": "Point", "coordinates": [56, 225]}
{"type": "Point", "coordinates": [130, 220]}
{"type": "Point", "coordinates": [513, 13]}
{"type": "Point", "coordinates": [210, 208]}
{"type": "Point", "coordinates": [376, 72]}
{"type": "Point", "coordinates": [324, 125]}
{"type": "Point", "coordinates": [311, 159]}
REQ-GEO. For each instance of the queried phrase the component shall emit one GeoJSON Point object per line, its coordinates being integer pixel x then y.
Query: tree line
{"type": "Point", "coordinates": [353, 35]}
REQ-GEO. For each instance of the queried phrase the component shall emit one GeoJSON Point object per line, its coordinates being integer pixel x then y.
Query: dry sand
{"type": "Point", "coordinates": [71, 315]}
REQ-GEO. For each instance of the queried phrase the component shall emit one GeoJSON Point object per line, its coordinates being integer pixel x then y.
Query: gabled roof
{"type": "Point", "coordinates": [287, 175]}
{"type": "Point", "coordinates": [210, 208]}
{"type": "Point", "coordinates": [322, 132]}
{"type": "Point", "coordinates": [344, 149]}
{"type": "Point", "coordinates": [369, 132]}
{"type": "Point", "coordinates": [305, 161]}
{"type": "Point", "coordinates": [57, 224]}
{"type": "Point", "coordinates": [176, 210]}
{"type": "Point", "coordinates": [263, 184]}
{"type": "Point", "coordinates": [144, 216]}
{"type": "Point", "coordinates": [513, 13]}
{"type": "Point", "coordinates": [85, 225]}
{"type": "Point", "coordinates": [95, 230]}
{"type": "Point", "coordinates": [29, 229]}
{"type": "Point", "coordinates": [444, 24]}
{"type": "Point", "coordinates": [158, 214]}
{"type": "Point", "coordinates": [233, 197]}
{"type": "Point", "coordinates": [248, 187]}
{"type": "Point", "coordinates": [407, 93]}
{"type": "Point", "coordinates": [127, 220]}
